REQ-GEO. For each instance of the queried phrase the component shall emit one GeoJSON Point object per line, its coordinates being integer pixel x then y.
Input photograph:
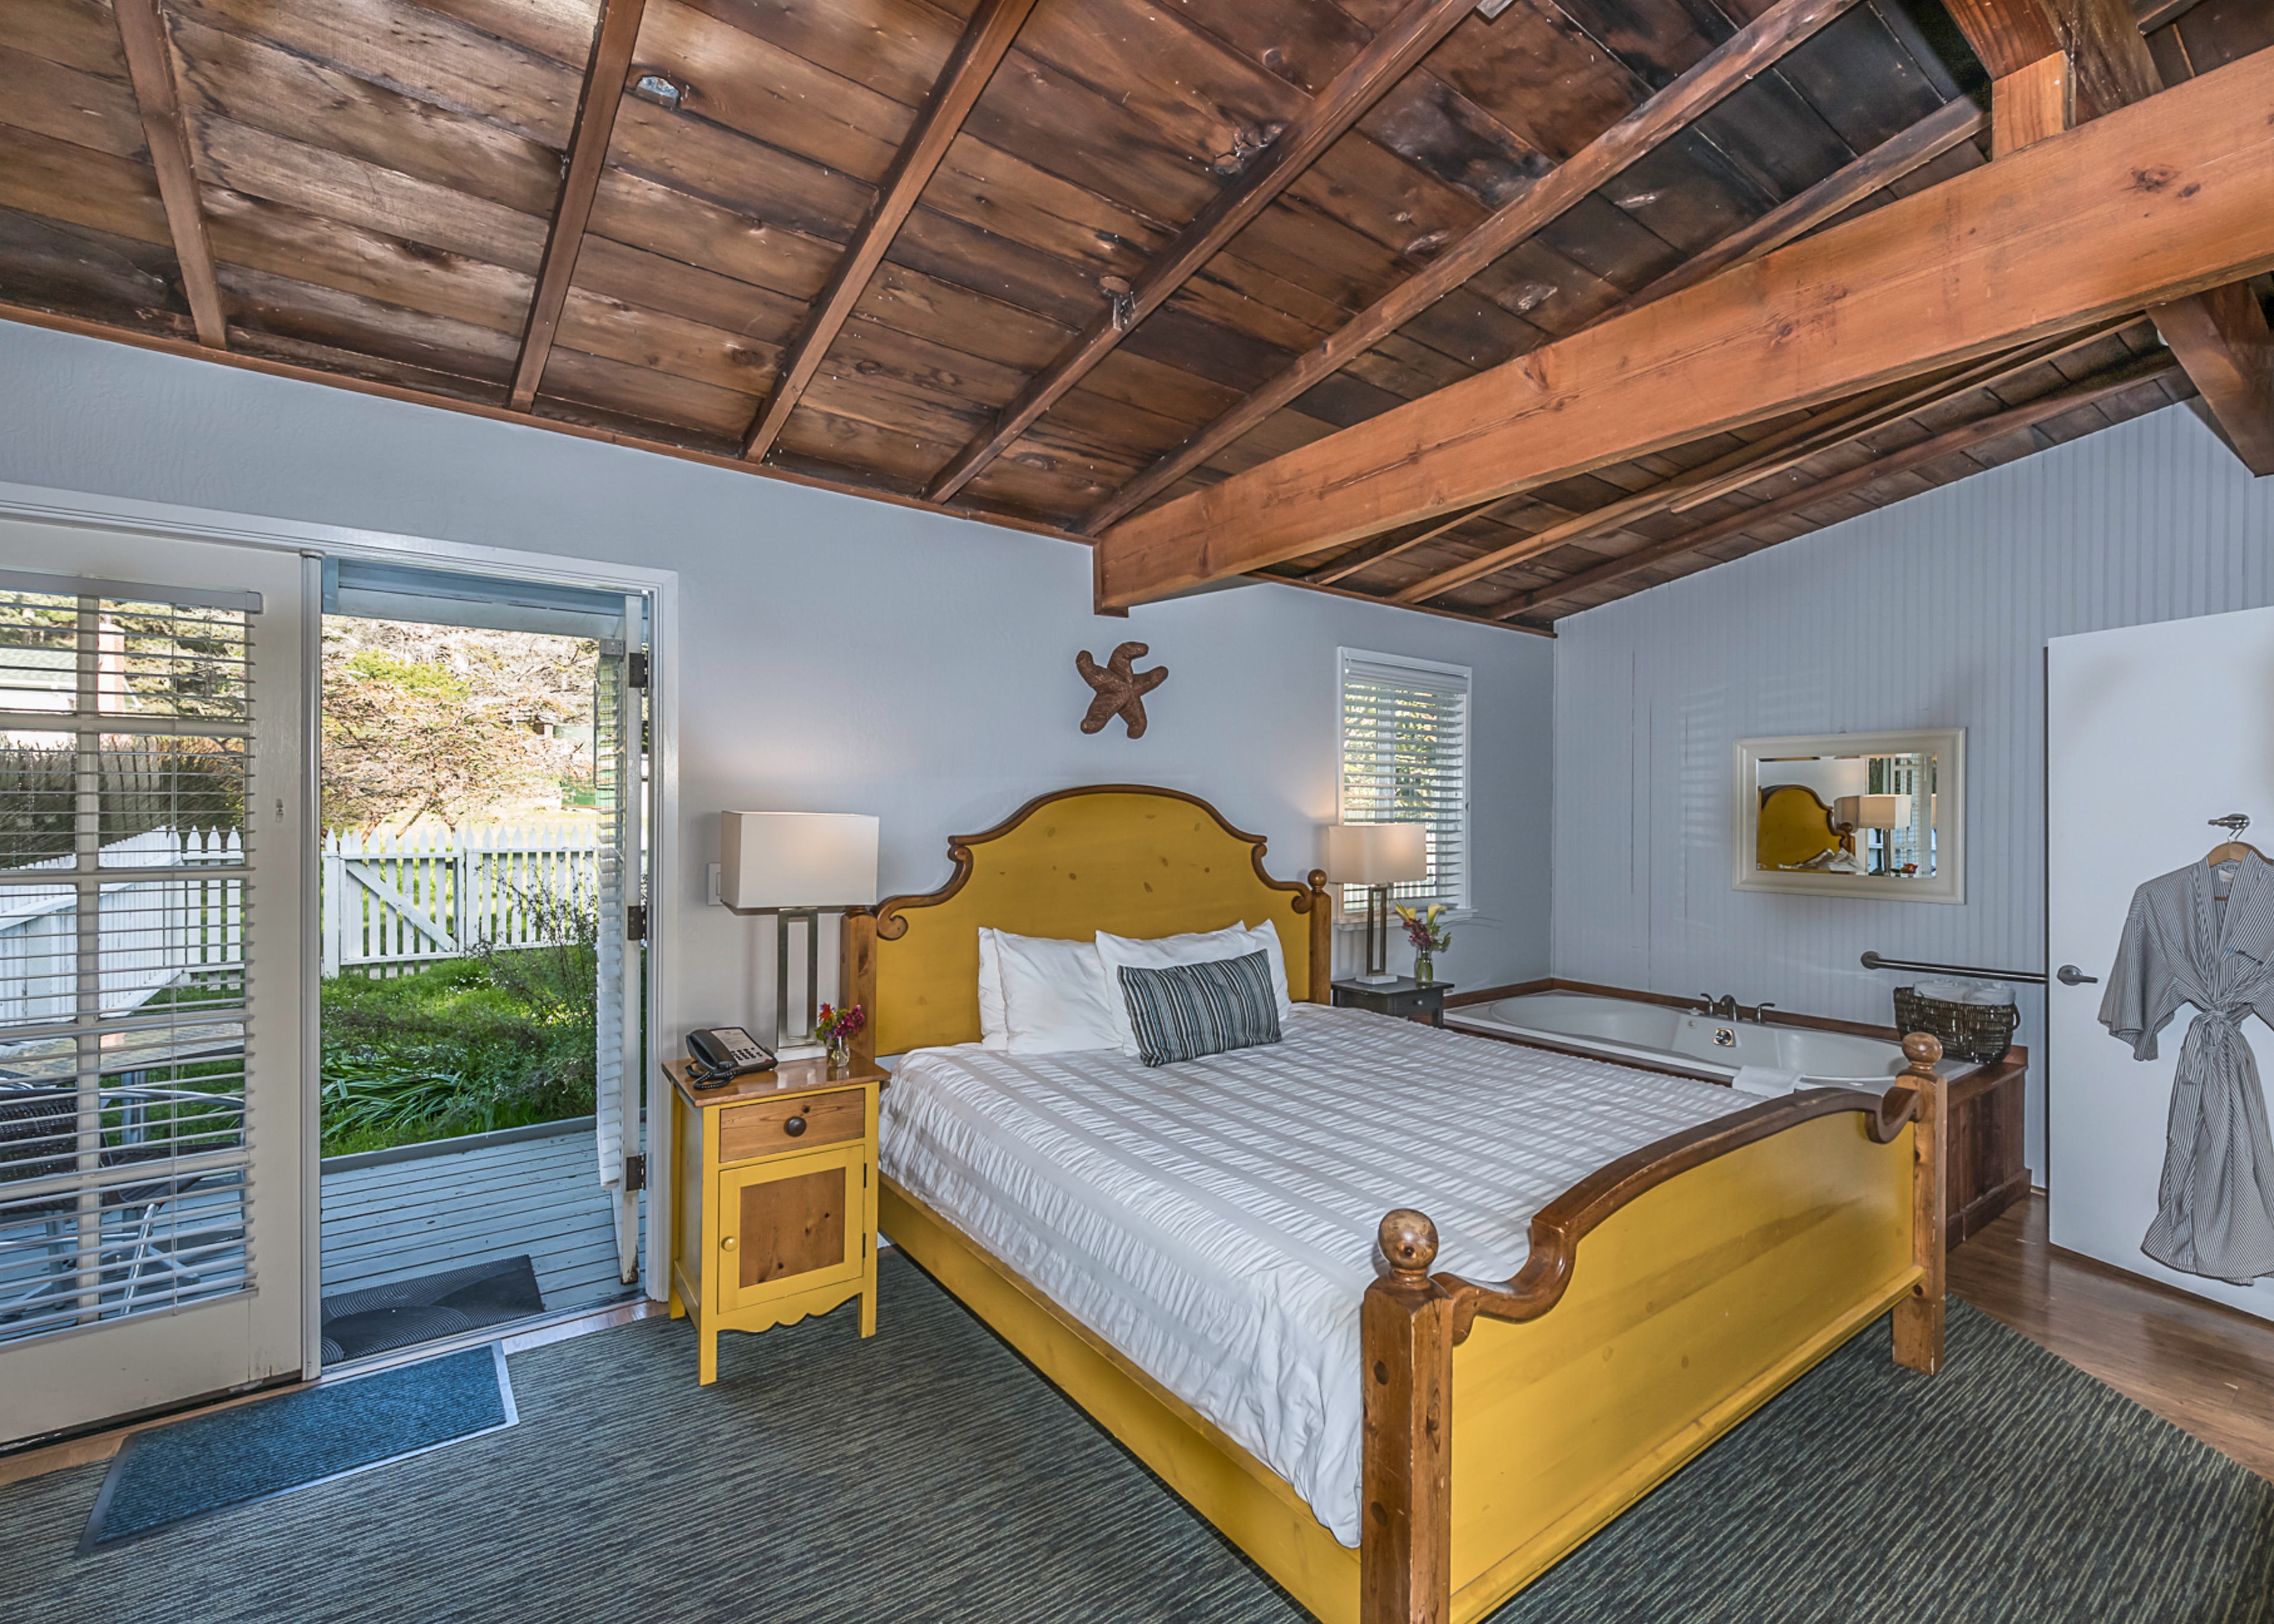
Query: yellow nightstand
{"type": "Point", "coordinates": [775, 1199]}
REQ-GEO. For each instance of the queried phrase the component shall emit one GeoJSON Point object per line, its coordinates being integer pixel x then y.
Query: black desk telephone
{"type": "Point", "coordinates": [719, 1054]}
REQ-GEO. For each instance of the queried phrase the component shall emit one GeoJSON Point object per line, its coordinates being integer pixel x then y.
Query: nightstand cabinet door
{"type": "Point", "coordinates": [791, 1224]}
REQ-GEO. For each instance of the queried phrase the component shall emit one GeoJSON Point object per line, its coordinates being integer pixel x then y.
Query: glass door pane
{"type": "Point", "coordinates": [149, 1190]}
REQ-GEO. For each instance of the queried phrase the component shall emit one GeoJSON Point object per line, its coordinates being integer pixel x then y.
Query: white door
{"type": "Point", "coordinates": [154, 1111]}
{"type": "Point", "coordinates": [2150, 731]}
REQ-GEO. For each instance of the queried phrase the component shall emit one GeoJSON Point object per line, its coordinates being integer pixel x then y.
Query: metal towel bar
{"type": "Point", "coordinates": [2035, 978]}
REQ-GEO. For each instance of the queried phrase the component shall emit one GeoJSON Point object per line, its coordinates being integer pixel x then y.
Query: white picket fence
{"type": "Point", "coordinates": [392, 902]}
{"type": "Point", "coordinates": [389, 903]}
{"type": "Point", "coordinates": [155, 931]}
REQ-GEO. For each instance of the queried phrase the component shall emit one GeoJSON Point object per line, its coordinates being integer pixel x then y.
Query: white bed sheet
{"type": "Point", "coordinates": [1214, 1220]}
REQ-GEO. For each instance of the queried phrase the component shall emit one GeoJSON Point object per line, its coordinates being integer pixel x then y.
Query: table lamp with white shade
{"type": "Point", "coordinates": [797, 866]}
{"type": "Point", "coordinates": [1851, 813]}
{"type": "Point", "coordinates": [1377, 856]}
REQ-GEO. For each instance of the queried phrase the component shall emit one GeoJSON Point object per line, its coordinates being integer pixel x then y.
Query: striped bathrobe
{"type": "Point", "coordinates": [2205, 936]}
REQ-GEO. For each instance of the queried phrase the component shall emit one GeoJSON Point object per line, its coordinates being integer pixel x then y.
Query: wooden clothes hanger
{"type": "Point", "coordinates": [2231, 851]}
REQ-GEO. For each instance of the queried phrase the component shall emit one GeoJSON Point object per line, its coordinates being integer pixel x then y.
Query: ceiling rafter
{"type": "Point", "coordinates": [2220, 335]}
{"type": "Point", "coordinates": [2222, 338]}
{"type": "Point", "coordinates": [988, 38]}
{"type": "Point", "coordinates": [613, 44]}
{"type": "Point", "coordinates": [1838, 425]}
{"type": "Point", "coordinates": [1744, 57]}
{"type": "Point", "coordinates": [1899, 156]}
{"type": "Point", "coordinates": [1982, 432]}
{"type": "Point", "coordinates": [1388, 57]}
{"type": "Point", "coordinates": [2136, 208]}
{"type": "Point", "coordinates": [150, 70]}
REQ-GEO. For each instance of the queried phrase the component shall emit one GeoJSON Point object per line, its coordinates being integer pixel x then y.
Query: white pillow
{"type": "Point", "coordinates": [1193, 947]}
{"type": "Point", "coordinates": [1054, 996]}
{"type": "Point", "coordinates": [993, 1028]}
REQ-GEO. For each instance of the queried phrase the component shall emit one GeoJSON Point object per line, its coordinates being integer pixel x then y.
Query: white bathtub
{"type": "Point", "coordinates": [1626, 1029]}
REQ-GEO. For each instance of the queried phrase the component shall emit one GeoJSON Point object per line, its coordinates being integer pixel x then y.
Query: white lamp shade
{"type": "Point", "coordinates": [1873, 812]}
{"type": "Point", "coordinates": [797, 859]}
{"type": "Point", "coordinates": [1377, 853]}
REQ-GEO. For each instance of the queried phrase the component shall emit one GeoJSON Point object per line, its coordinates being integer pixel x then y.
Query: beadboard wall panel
{"type": "Point", "coordinates": [1933, 613]}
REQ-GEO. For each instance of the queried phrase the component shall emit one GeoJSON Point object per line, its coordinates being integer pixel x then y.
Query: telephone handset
{"type": "Point", "coordinates": [718, 1054]}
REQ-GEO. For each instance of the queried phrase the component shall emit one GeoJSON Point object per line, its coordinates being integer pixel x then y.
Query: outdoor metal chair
{"type": "Point", "coordinates": [39, 1138]}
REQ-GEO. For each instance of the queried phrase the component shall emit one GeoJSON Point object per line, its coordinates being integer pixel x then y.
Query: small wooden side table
{"type": "Point", "coordinates": [1404, 996]}
{"type": "Point", "coordinates": [774, 1199]}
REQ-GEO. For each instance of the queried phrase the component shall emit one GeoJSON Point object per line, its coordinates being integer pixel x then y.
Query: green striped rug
{"type": "Point", "coordinates": [929, 1474]}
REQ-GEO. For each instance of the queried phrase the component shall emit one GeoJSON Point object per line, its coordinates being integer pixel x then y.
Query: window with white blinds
{"type": "Point", "coordinates": [124, 742]}
{"type": "Point", "coordinates": [1405, 760]}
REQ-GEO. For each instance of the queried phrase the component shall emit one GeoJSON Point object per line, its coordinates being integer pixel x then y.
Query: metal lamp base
{"type": "Point", "coordinates": [1377, 938]}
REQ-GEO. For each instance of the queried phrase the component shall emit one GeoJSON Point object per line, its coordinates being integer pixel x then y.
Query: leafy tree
{"type": "Point", "coordinates": [446, 723]}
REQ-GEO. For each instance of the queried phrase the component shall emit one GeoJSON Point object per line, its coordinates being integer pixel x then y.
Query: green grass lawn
{"type": "Point", "coordinates": [465, 1046]}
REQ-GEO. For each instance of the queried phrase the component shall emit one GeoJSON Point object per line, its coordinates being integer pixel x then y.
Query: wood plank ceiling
{"type": "Point", "coordinates": [1055, 262]}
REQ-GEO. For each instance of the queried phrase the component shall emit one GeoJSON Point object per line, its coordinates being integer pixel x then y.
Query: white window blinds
{"type": "Point", "coordinates": [1405, 760]}
{"type": "Point", "coordinates": [125, 738]}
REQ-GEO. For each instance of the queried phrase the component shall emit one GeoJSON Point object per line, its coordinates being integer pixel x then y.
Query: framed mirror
{"type": "Point", "coordinates": [1853, 814]}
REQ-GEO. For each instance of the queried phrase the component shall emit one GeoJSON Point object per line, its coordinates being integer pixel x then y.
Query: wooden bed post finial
{"type": "Point", "coordinates": [1919, 1319]}
{"type": "Point", "coordinates": [1408, 1241]}
{"type": "Point", "coordinates": [1405, 1543]}
{"type": "Point", "coordinates": [1322, 905]}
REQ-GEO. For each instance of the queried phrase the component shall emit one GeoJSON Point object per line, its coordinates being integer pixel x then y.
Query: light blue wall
{"type": "Point", "coordinates": [837, 654]}
{"type": "Point", "coordinates": [1932, 613]}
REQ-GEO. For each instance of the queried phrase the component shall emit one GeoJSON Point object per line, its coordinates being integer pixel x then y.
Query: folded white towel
{"type": "Point", "coordinates": [1769, 1082]}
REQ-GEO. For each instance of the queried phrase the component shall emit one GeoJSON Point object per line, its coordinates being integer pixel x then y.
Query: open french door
{"type": "Point", "coordinates": [156, 1110]}
{"type": "Point", "coordinates": [620, 789]}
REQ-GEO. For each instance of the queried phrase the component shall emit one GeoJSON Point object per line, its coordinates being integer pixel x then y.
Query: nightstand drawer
{"type": "Point", "coordinates": [796, 1223]}
{"type": "Point", "coordinates": [770, 1127]}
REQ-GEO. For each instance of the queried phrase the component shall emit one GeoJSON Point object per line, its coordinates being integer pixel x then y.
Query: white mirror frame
{"type": "Point", "coordinates": [1947, 745]}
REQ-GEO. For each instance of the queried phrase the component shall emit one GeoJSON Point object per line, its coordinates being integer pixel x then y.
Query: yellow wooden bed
{"type": "Point", "coordinates": [1666, 1295]}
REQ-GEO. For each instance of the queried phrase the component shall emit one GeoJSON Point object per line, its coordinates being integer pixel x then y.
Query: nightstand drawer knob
{"type": "Point", "coordinates": [726, 1243]}
{"type": "Point", "coordinates": [794, 1126]}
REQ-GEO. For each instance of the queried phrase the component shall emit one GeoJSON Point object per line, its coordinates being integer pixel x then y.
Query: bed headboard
{"type": "Point", "coordinates": [1125, 858]}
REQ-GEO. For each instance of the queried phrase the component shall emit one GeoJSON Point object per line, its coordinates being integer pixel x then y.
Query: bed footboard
{"type": "Point", "coordinates": [1720, 1264]}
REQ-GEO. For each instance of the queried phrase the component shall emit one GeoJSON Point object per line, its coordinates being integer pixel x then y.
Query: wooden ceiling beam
{"type": "Point", "coordinates": [987, 38]}
{"type": "Point", "coordinates": [1765, 458]}
{"type": "Point", "coordinates": [1742, 57]}
{"type": "Point", "coordinates": [613, 42]}
{"type": "Point", "coordinates": [1949, 126]}
{"type": "Point", "coordinates": [1388, 57]}
{"type": "Point", "coordinates": [2134, 209]}
{"type": "Point", "coordinates": [1982, 432]}
{"type": "Point", "coordinates": [2221, 337]}
{"type": "Point", "coordinates": [150, 68]}
{"type": "Point", "coordinates": [2102, 63]}
{"type": "Point", "coordinates": [1889, 162]}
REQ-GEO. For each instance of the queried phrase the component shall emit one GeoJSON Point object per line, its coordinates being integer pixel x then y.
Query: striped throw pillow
{"type": "Point", "coordinates": [1187, 1011]}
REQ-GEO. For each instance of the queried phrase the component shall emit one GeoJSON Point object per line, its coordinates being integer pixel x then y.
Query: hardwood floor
{"type": "Point", "coordinates": [2204, 1367]}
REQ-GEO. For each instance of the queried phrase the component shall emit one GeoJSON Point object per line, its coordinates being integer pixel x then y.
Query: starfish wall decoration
{"type": "Point", "coordinates": [1120, 691]}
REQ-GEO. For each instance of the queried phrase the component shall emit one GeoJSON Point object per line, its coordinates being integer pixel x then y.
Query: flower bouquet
{"type": "Point", "coordinates": [1430, 935]}
{"type": "Point", "coordinates": [837, 1028]}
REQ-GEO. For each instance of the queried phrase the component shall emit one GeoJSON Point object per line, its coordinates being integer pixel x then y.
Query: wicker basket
{"type": "Point", "coordinates": [1981, 1032]}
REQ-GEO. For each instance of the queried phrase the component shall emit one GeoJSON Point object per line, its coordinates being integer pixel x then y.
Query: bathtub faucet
{"type": "Point", "coordinates": [1723, 1008]}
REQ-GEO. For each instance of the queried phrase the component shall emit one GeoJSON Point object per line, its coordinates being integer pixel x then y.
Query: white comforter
{"type": "Point", "coordinates": [1215, 1221]}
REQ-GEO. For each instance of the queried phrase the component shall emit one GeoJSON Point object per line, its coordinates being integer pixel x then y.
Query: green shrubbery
{"type": "Point", "coordinates": [501, 1040]}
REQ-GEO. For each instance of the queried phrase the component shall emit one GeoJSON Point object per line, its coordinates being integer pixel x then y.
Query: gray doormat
{"type": "Point", "coordinates": [193, 1468]}
{"type": "Point", "coordinates": [382, 1318]}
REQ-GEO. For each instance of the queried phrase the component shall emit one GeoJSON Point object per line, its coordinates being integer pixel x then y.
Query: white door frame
{"type": "Point", "coordinates": [163, 519]}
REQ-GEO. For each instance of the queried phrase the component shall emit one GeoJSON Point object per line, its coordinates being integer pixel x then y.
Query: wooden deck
{"type": "Point", "coordinates": [468, 1201]}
